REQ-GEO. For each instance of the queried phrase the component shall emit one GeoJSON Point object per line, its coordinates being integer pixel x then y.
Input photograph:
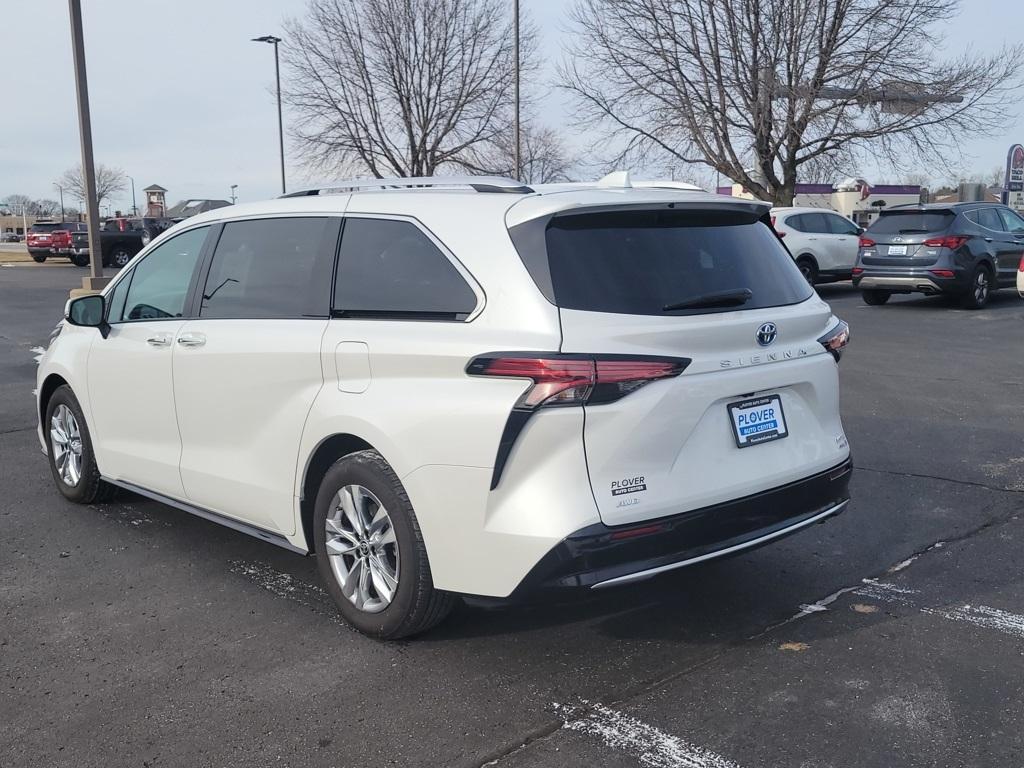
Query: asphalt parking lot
{"type": "Point", "coordinates": [134, 635]}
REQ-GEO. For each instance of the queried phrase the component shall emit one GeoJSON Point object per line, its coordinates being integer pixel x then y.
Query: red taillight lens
{"type": "Point", "coordinates": [577, 379]}
{"type": "Point", "coordinates": [836, 339]}
{"type": "Point", "coordinates": [866, 242]}
{"type": "Point", "coordinates": [778, 234]}
{"type": "Point", "coordinates": [942, 272]}
{"type": "Point", "coordinates": [857, 270]}
{"type": "Point", "coordinates": [1020, 267]}
{"type": "Point", "coordinates": [949, 241]}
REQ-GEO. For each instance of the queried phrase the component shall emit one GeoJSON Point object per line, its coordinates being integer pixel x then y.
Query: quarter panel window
{"type": "Point", "coordinates": [159, 283]}
{"type": "Point", "coordinates": [987, 218]}
{"type": "Point", "coordinates": [1011, 221]}
{"type": "Point", "coordinates": [392, 268]}
{"type": "Point", "coordinates": [272, 268]}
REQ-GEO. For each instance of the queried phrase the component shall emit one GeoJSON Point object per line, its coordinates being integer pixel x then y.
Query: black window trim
{"type": "Point", "coordinates": [129, 275]}
{"type": "Point", "coordinates": [389, 315]}
{"type": "Point", "coordinates": [206, 261]}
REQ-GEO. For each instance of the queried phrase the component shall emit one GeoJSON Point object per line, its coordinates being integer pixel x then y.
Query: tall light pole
{"type": "Point", "coordinates": [60, 189]}
{"type": "Point", "coordinates": [135, 208]}
{"type": "Point", "coordinates": [280, 120]}
{"type": "Point", "coordinates": [234, 197]}
{"type": "Point", "coordinates": [95, 281]}
{"type": "Point", "coordinates": [517, 138]}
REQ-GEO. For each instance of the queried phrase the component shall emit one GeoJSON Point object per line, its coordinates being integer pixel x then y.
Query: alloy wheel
{"type": "Point", "coordinates": [66, 443]}
{"type": "Point", "coordinates": [981, 286]}
{"type": "Point", "coordinates": [121, 257]}
{"type": "Point", "coordinates": [362, 548]}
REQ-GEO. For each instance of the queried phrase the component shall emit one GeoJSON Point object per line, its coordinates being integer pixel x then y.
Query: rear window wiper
{"type": "Point", "coordinates": [732, 298]}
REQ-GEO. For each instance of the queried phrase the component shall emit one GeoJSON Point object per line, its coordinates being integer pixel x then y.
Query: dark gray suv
{"type": "Point", "coordinates": [964, 249]}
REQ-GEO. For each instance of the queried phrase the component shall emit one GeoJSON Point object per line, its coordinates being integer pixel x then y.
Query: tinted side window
{"type": "Point", "coordinates": [988, 218]}
{"type": "Point", "coordinates": [797, 223]}
{"type": "Point", "coordinates": [391, 268]}
{"type": "Point", "coordinates": [1011, 221]}
{"type": "Point", "coordinates": [815, 223]}
{"type": "Point", "coordinates": [272, 268]}
{"type": "Point", "coordinates": [840, 226]}
{"type": "Point", "coordinates": [160, 281]}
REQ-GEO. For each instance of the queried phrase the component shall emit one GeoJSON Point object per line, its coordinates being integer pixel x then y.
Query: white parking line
{"type": "Point", "coordinates": [649, 745]}
{"type": "Point", "coordinates": [886, 593]}
{"type": "Point", "coordinates": [982, 616]}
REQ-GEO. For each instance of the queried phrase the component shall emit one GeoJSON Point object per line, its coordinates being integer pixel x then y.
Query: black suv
{"type": "Point", "coordinates": [962, 249]}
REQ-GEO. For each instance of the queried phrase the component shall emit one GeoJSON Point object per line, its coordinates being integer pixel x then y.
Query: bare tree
{"type": "Point", "coordinates": [401, 87]}
{"type": "Point", "coordinates": [109, 181]}
{"type": "Point", "coordinates": [46, 207]}
{"type": "Point", "coordinates": [763, 90]}
{"type": "Point", "coordinates": [996, 177]}
{"type": "Point", "coordinates": [544, 157]}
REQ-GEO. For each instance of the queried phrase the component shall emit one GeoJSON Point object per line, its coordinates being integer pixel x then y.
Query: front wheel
{"type": "Point", "coordinates": [875, 297]}
{"type": "Point", "coordinates": [69, 449]}
{"type": "Point", "coordinates": [370, 551]}
{"type": "Point", "coordinates": [981, 288]}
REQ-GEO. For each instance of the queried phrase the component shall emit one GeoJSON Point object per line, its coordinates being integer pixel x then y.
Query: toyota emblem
{"type": "Point", "coordinates": [766, 334]}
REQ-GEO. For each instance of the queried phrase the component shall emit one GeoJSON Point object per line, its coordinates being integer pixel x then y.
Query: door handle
{"type": "Point", "coordinates": [160, 340]}
{"type": "Point", "coordinates": [192, 339]}
{"type": "Point", "coordinates": [988, 239]}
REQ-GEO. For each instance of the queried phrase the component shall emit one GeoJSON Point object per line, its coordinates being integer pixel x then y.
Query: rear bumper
{"type": "Point", "coordinates": [918, 281]}
{"type": "Point", "coordinates": [599, 556]}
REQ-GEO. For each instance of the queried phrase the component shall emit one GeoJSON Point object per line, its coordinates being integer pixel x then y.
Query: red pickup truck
{"type": "Point", "coordinates": [46, 238]}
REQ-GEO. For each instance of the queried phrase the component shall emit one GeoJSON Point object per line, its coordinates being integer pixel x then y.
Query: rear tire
{"type": "Point", "coordinates": [875, 297]}
{"type": "Point", "coordinates": [38, 258]}
{"type": "Point", "coordinates": [69, 450]}
{"type": "Point", "coordinates": [120, 256]}
{"type": "Point", "coordinates": [374, 539]}
{"type": "Point", "coordinates": [981, 288]}
{"type": "Point", "coordinates": [808, 268]}
{"type": "Point", "coordinates": [79, 259]}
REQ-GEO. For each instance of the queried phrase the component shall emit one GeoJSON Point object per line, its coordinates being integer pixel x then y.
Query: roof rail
{"type": "Point", "coordinates": [477, 183]}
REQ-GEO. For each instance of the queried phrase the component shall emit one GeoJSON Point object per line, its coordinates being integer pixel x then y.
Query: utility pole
{"type": "Point", "coordinates": [95, 281]}
{"type": "Point", "coordinates": [280, 119]}
{"type": "Point", "coordinates": [517, 137]}
{"type": "Point", "coordinates": [135, 208]}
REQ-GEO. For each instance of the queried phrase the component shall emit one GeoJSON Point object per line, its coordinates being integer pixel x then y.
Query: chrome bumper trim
{"type": "Point", "coordinates": [641, 575]}
{"type": "Point", "coordinates": [911, 283]}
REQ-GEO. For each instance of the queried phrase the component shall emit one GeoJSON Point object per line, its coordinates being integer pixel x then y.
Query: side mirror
{"type": "Point", "coordinates": [861, 230]}
{"type": "Point", "coordinates": [88, 312]}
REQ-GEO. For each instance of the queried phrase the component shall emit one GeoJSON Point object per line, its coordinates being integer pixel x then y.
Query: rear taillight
{"type": "Point", "coordinates": [949, 241]}
{"type": "Point", "coordinates": [778, 234]}
{"type": "Point", "coordinates": [576, 379]}
{"type": "Point", "coordinates": [856, 270]}
{"type": "Point", "coordinates": [1020, 267]}
{"type": "Point", "coordinates": [866, 242]}
{"type": "Point", "coordinates": [566, 379]}
{"type": "Point", "coordinates": [836, 339]}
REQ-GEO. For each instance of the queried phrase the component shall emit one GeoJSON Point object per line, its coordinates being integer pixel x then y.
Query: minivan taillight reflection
{"type": "Point", "coordinates": [563, 379]}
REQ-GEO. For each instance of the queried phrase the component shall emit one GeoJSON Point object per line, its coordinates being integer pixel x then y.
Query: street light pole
{"type": "Point", "coordinates": [234, 197]}
{"type": "Point", "coordinates": [517, 137]}
{"type": "Point", "coordinates": [280, 119]}
{"type": "Point", "coordinates": [60, 189]}
{"type": "Point", "coordinates": [95, 281]}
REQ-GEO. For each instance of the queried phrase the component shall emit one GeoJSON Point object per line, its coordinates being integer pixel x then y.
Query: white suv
{"type": "Point", "coordinates": [461, 386]}
{"type": "Point", "coordinates": [823, 244]}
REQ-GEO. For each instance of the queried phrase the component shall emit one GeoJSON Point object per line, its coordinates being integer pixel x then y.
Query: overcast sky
{"type": "Point", "coordinates": [181, 98]}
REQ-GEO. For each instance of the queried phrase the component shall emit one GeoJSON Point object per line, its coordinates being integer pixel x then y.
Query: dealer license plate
{"type": "Point", "coordinates": [897, 250]}
{"type": "Point", "coordinates": [756, 421]}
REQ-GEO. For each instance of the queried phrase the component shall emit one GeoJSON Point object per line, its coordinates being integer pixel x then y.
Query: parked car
{"type": "Point", "coordinates": [1020, 277]}
{"type": "Point", "coordinates": [120, 239]}
{"type": "Point", "coordinates": [10, 237]}
{"type": "Point", "coordinates": [823, 243]}
{"type": "Point", "coordinates": [406, 394]}
{"type": "Point", "coordinates": [40, 239]}
{"type": "Point", "coordinates": [60, 239]}
{"type": "Point", "coordinates": [965, 250]}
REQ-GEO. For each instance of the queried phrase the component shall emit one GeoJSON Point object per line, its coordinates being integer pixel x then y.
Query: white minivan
{"type": "Point", "coordinates": [448, 387]}
{"type": "Point", "coordinates": [823, 244]}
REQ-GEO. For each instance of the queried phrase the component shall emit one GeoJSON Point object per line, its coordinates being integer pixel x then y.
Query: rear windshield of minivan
{"type": "Point", "coordinates": [911, 222]}
{"type": "Point", "coordinates": [640, 262]}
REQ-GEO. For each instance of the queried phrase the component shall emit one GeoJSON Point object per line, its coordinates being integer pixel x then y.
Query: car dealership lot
{"type": "Point", "coordinates": [131, 633]}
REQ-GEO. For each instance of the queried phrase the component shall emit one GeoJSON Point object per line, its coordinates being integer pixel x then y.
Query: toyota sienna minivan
{"type": "Point", "coordinates": [446, 387]}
